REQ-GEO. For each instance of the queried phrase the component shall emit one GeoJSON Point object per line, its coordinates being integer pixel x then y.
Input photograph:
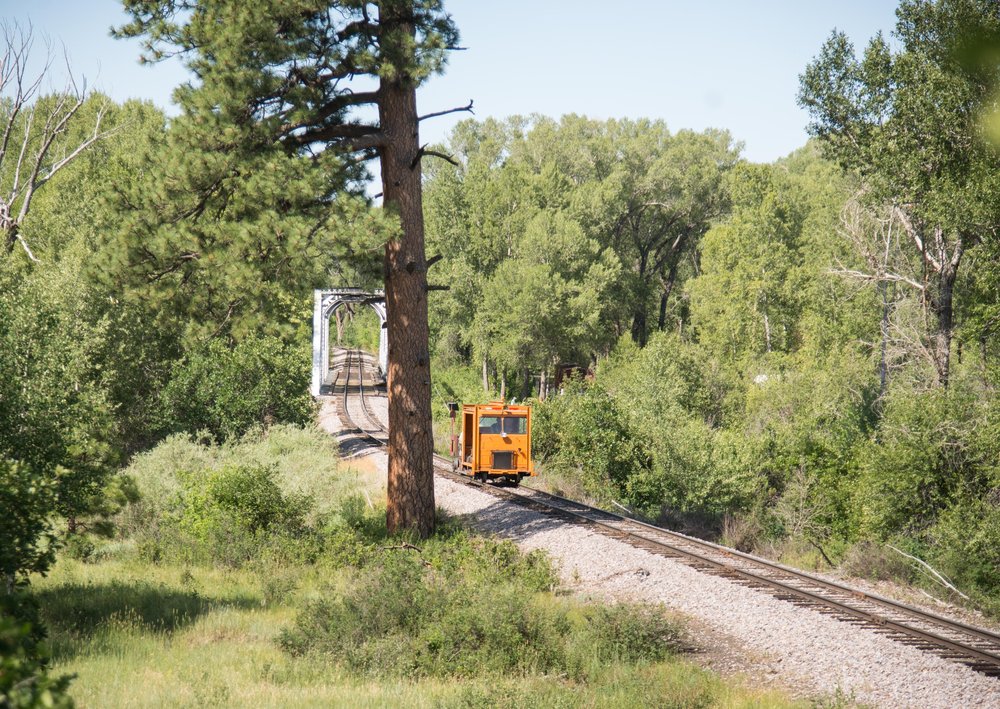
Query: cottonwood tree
{"type": "Point", "coordinates": [878, 237]}
{"type": "Point", "coordinates": [646, 192]}
{"type": "Point", "coordinates": [281, 85]}
{"type": "Point", "coordinates": [747, 300]}
{"type": "Point", "coordinates": [908, 121]}
{"type": "Point", "coordinates": [36, 141]}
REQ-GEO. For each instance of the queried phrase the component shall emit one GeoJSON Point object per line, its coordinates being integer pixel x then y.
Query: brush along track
{"type": "Point", "coordinates": [975, 647]}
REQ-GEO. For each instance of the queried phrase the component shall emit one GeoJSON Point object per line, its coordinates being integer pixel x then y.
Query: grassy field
{"type": "Point", "coordinates": [176, 632]}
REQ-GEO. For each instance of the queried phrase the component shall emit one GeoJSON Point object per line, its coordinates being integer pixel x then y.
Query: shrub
{"type": "Point", "coordinates": [876, 562]}
{"type": "Point", "coordinates": [628, 632]}
{"type": "Point", "coordinates": [24, 678]}
{"type": "Point", "coordinates": [27, 541]}
{"type": "Point", "coordinates": [228, 391]}
{"type": "Point", "coordinates": [231, 515]}
{"type": "Point", "coordinates": [965, 545]}
{"type": "Point", "coordinates": [921, 456]}
{"type": "Point", "coordinates": [463, 606]}
{"type": "Point", "coordinates": [584, 429]}
{"type": "Point", "coordinates": [245, 496]}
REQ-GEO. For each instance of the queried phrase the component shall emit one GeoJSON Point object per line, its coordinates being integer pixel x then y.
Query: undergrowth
{"type": "Point", "coordinates": [234, 586]}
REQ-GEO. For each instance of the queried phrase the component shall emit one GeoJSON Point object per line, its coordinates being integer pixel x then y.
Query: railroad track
{"type": "Point", "coordinates": [373, 429]}
{"type": "Point", "coordinates": [976, 647]}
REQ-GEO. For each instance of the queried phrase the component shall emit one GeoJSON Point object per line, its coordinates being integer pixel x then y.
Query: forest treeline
{"type": "Point", "coordinates": [799, 355]}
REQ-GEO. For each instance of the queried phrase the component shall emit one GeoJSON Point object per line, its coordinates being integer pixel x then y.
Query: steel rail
{"type": "Point", "coordinates": [351, 355]}
{"type": "Point", "coordinates": [876, 599]}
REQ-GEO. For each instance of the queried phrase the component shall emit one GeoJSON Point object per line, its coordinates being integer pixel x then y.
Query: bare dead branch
{"type": "Point", "coordinates": [424, 151]}
{"type": "Point", "coordinates": [27, 249]}
{"type": "Point", "coordinates": [876, 278]}
{"type": "Point", "coordinates": [42, 151]}
{"type": "Point", "coordinates": [467, 109]}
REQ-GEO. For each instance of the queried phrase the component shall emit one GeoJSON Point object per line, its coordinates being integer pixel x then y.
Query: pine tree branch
{"type": "Point", "coordinates": [330, 108]}
{"type": "Point", "coordinates": [424, 151]}
{"type": "Point", "coordinates": [334, 133]}
{"type": "Point", "coordinates": [459, 109]}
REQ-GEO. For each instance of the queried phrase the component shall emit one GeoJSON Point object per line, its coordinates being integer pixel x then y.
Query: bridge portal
{"type": "Point", "coordinates": [326, 303]}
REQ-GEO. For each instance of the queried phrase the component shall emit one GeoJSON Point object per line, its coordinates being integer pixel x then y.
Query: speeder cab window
{"type": "Point", "coordinates": [518, 425]}
{"type": "Point", "coordinates": [489, 424]}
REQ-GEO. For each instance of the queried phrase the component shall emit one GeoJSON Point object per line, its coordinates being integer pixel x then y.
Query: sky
{"type": "Point", "coordinates": [731, 64]}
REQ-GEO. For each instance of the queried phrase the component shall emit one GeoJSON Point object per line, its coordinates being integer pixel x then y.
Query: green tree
{"type": "Point", "coordinates": [908, 121]}
{"type": "Point", "coordinates": [268, 147]}
{"type": "Point", "coordinates": [647, 193]}
{"type": "Point", "coordinates": [228, 391]}
{"type": "Point", "coordinates": [544, 305]}
{"type": "Point", "coordinates": [746, 301]}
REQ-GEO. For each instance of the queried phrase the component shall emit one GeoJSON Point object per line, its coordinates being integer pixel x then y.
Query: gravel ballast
{"type": "Point", "coordinates": [773, 641]}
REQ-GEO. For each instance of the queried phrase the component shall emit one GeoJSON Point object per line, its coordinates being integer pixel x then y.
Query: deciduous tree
{"type": "Point", "coordinates": [36, 140]}
{"type": "Point", "coordinates": [907, 119]}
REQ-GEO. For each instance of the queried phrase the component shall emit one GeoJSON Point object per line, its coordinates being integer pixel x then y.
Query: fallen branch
{"type": "Point", "coordinates": [621, 506]}
{"type": "Point", "coordinates": [407, 546]}
{"type": "Point", "coordinates": [822, 553]}
{"type": "Point", "coordinates": [938, 577]}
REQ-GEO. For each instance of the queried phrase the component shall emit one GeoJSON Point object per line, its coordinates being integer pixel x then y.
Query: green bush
{"type": "Point", "coordinates": [24, 679]}
{"type": "Point", "coordinates": [462, 606]}
{"type": "Point", "coordinates": [245, 496]}
{"type": "Point", "coordinates": [585, 430]}
{"type": "Point", "coordinates": [631, 633]}
{"type": "Point", "coordinates": [231, 515]}
{"type": "Point", "coordinates": [27, 541]}
{"type": "Point", "coordinates": [965, 546]}
{"type": "Point", "coordinates": [919, 459]}
{"type": "Point", "coordinates": [229, 391]}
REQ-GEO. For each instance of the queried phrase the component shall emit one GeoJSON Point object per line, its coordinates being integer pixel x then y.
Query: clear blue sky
{"type": "Point", "coordinates": [725, 63]}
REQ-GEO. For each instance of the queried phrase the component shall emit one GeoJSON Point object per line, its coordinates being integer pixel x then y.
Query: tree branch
{"type": "Point", "coordinates": [330, 108]}
{"type": "Point", "coordinates": [37, 181]}
{"type": "Point", "coordinates": [876, 278]}
{"type": "Point", "coordinates": [914, 234]}
{"type": "Point", "coordinates": [329, 134]}
{"type": "Point", "coordinates": [460, 109]}
{"type": "Point", "coordinates": [424, 151]}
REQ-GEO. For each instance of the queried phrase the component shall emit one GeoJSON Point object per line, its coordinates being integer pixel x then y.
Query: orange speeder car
{"type": "Point", "coordinates": [495, 443]}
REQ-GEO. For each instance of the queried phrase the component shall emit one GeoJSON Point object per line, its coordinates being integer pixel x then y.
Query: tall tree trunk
{"type": "Point", "coordinates": [639, 330]}
{"type": "Point", "coordinates": [883, 365]}
{"type": "Point", "coordinates": [410, 490]}
{"type": "Point", "coordinates": [945, 325]}
{"type": "Point", "coordinates": [543, 385]}
{"type": "Point", "coordinates": [668, 287]}
{"type": "Point", "coordinates": [639, 326]}
{"type": "Point", "coordinates": [525, 383]}
{"type": "Point", "coordinates": [946, 269]}
{"type": "Point", "coordinates": [486, 375]}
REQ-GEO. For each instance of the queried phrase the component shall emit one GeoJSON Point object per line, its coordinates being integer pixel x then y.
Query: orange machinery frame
{"type": "Point", "coordinates": [495, 441]}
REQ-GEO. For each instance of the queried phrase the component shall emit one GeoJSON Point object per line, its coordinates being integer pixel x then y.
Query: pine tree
{"type": "Point", "coordinates": [271, 137]}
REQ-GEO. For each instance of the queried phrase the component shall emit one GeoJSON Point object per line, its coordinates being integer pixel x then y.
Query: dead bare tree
{"type": "Point", "coordinates": [36, 142]}
{"type": "Point", "coordinates": [898, 255]}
